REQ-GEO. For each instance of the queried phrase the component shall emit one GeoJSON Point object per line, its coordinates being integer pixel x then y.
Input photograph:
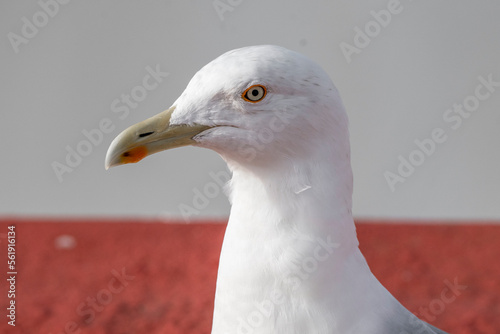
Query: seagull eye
{"type": "Point", "coordinates": [254, 93]}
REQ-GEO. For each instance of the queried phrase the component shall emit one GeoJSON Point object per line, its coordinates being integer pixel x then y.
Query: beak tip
{"type": "Point", "coordinates": [112, 162]}
{"type": "Point", "coordinates": [108, 161]}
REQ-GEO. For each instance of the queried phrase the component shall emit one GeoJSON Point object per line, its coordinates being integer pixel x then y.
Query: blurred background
{"type": "Point", "coordinates": [421, 84]}
{"type": "Point", "coordinates": [67, 67]}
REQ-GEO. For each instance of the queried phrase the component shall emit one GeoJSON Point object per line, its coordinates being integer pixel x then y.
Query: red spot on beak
{"type": "Point", "coordinates": [134, 155]}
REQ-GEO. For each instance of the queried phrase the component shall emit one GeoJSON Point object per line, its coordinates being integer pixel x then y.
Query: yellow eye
{"type": "Point", "coordinates": [254, 93]}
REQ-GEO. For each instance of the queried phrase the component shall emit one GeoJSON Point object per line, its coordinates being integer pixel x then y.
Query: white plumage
{"type": "Point", "coordinates": [290, 261]}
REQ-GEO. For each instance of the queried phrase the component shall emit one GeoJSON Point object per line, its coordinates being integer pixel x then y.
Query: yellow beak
{"type": "Point", "coordinates": [152, 135]}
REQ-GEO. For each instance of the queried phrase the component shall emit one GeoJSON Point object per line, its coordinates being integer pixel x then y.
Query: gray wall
{"type": "Point", "coordinates": [66, 68]}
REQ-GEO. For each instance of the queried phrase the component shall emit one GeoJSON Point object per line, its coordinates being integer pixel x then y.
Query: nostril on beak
{"type": "Point", "coordinates": [145, 134]}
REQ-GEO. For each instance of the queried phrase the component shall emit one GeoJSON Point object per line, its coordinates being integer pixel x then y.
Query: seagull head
{"type": "Point", "coordinates": [257, 105]}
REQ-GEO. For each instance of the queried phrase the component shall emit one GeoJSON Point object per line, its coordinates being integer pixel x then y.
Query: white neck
{"type": "Point", "coordinates": [290, 261]}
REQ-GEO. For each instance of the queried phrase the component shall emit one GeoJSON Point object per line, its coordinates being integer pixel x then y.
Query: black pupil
{"type": "Point", "coordinates": [255, 92]}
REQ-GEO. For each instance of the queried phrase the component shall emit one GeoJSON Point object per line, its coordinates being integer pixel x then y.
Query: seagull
{"type": "Point", "coordinates": [290, 261]}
